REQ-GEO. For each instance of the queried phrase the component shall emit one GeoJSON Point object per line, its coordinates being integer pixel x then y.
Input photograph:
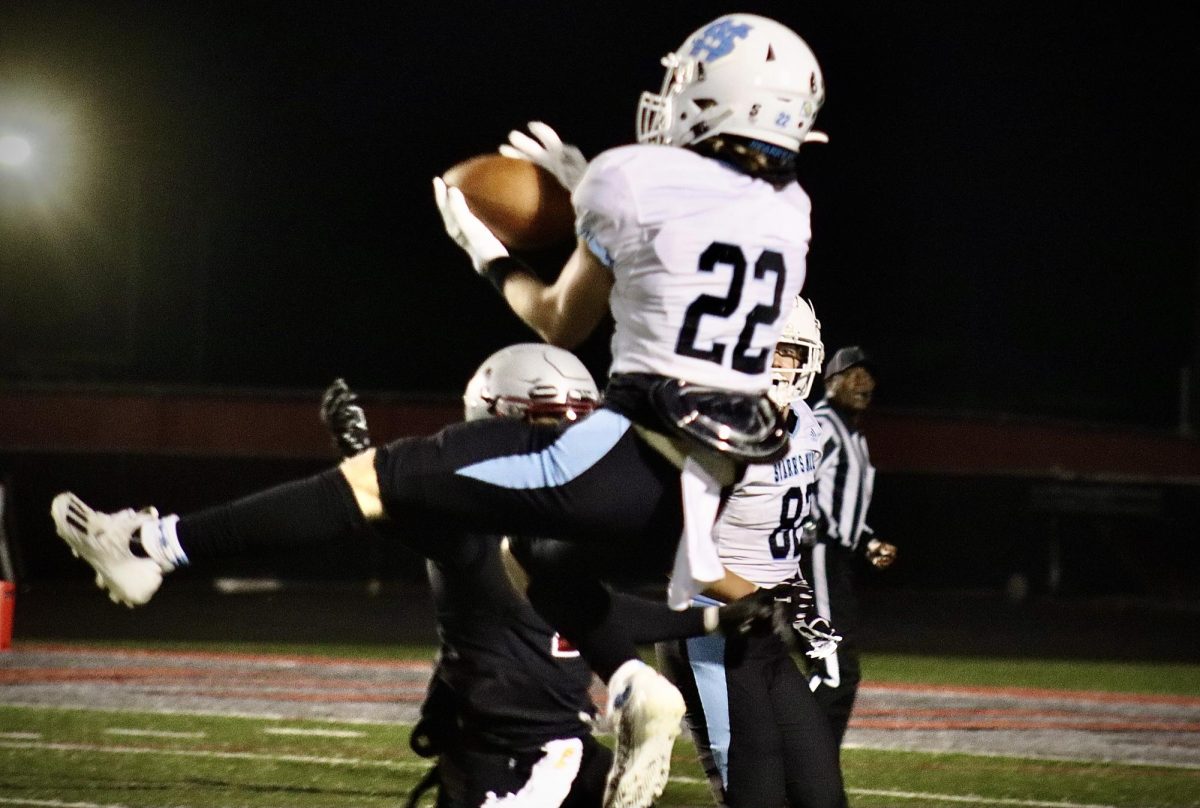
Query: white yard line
{"type": "Point", "coordinates": [59, 803]}
{"type": "Point", "coordinates": [268, 716]}
{"type": "Point", "coordinates": [320, 733]}
{"type": "Point", "coordinates": [198, 753]}
{"type": "Point", "coordinates": [866, 792]}
{"type": "Point", "coordinates": [971, 799]}
{"type": "Point", "coordinates": [264, 715]}
{"type": "Point", "coordinates": [401, 764]}
{"type": "Point", "coordinates": [1163, 764]}
{"type": "Point", "coordinates": [152, 733]}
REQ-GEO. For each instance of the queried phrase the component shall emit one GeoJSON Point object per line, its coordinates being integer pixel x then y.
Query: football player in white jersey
{"type": "Point", "coordinates": [696, 239]}
{"type": "Point", "coordinates": [762, 737]}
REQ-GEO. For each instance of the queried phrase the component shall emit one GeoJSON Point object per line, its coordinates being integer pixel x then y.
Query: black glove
{"type": "Point", "coordinates": [345, 419]}
{"type": "Point", "coordinates": [763, 610]}
{"type": "Point", "coordinates": [747, 613]}
{"type": "Point", "coordinates": [818, 637]}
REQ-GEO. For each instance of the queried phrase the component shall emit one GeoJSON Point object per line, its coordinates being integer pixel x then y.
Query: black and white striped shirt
{"type": "Point", "coordinates": [845, 481]}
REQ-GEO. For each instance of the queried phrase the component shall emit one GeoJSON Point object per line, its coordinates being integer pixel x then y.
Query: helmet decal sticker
{"type": "Point", "coordinates": [718, 40]}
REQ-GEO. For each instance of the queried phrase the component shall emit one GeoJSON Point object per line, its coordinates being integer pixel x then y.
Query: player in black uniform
{"type": "Point", "coordinates": [509, 713]}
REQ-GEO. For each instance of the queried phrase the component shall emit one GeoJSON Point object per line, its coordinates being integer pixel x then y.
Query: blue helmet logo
{"type": "Point", "coordinates": [718, 40]}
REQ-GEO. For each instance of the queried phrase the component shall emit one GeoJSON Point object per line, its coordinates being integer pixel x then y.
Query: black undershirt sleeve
{"type": "Point", "coordinates": [651, 621]}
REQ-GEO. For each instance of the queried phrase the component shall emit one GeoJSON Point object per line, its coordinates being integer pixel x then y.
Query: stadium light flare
{"type": "Point", "coordinates": [15, 150]}
{"type": "Point", "coordinates": [41, 166]}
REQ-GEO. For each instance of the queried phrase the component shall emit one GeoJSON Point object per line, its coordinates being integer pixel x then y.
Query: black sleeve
{"type": "Point", "coordinates": [651, 621]}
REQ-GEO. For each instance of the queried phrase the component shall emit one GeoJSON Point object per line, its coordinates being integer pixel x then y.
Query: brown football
{"type": "Point", "coordinates": [522, 203]}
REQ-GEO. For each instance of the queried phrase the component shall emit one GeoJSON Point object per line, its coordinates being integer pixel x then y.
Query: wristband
{"type": "Point", "coordinates": [498, 269]}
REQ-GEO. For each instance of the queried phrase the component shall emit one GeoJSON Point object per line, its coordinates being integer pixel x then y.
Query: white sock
{"type": "Point", "coordinates": [161, 543]}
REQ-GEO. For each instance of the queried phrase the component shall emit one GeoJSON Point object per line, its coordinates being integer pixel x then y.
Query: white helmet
{"type": "Point", "coordinates": [531, 380]}
{"type": "Point", "coordinates": [802, 329]}
{"type": "Point", "coordinates": [739, 75]}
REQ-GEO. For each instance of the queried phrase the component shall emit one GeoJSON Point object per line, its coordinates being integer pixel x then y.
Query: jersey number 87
{"type": "Point", "coordinates": [785, 541]}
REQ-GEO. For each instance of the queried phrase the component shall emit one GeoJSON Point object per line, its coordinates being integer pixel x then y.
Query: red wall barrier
{"type": "Point", "coordinates": [243, 424]}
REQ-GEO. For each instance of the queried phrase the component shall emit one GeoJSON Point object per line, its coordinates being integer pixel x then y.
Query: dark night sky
{"type": "Point", "coordinates": [1006, 216]}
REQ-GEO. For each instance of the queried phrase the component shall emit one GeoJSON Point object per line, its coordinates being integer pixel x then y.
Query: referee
{"type": "Point", "coordinates": [845, 480]}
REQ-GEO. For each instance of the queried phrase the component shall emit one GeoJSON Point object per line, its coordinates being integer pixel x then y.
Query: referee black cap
{"type": "Point", "coordinates": [845, 358]}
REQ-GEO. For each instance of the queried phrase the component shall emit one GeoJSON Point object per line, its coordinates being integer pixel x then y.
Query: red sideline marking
{"type": "Point", "coordinates": [1040, 693]}
{"type": "Point", "coordinates": [999, 724]}
{"type": "Point", "coordinates": [425, 667]}
{"type": "Point", "coordinates": [347, 697]}
{"type": "Point", "coordinates": [971, 712]}
{"type": "Point", "coordinates": [158, 675]}
{"type": "Point", "coordinates": [60, 648]}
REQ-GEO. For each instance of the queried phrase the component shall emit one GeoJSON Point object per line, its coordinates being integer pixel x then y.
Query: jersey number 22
{"type": "Point", "coordinates": [743, 359]}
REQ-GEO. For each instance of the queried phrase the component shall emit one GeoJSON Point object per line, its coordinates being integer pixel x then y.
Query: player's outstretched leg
{"type": "Point", "coordinates": [104, 541]}
{"type": "Point", "coordinates": [645, 710]}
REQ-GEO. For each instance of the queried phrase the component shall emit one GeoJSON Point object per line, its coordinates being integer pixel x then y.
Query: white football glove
{"type": "Point", "coordinates": [465, 227]}
{"type": "Point", "coordinates": [564, 161]}
{"type": "Point", "coordinates": [822, 638]}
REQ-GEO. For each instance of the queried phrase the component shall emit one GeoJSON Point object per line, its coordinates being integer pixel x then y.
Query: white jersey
{"type": "Point", "coordinates": [706, 260]}
{"type": "Point", "coordinates": [758, 532]}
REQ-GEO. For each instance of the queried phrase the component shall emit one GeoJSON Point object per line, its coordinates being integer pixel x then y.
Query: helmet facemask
{"type": "Point", "coordinates": [802, 337]}
{"type": "Point", "coordinates": [531, 382]}
{"type": "Point", "coordinates": [675, 116]}
{"type": "Point", "coordinates": [544, 405]}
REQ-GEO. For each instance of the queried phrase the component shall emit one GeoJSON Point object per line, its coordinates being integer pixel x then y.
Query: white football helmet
{"type": "Point", "coordinates": [531, 380]}
{"type": "Point", "coordinates": [740, 75]}
{"type": "Point", "coordinates": [802, 330]}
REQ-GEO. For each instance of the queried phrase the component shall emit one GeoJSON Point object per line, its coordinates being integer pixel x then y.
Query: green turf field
{"type": "Point", "coordinates": [89, 758]}
{"type": "Point", "coordinates": [85, 758]}
{"type": "Point", "coordinates": [1057, 674]}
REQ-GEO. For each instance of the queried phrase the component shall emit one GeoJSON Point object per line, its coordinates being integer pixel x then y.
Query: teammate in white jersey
{"type": "Point", "coordinates": [761, 736]}
{"type": "Point", "coordinates": [695, 239]}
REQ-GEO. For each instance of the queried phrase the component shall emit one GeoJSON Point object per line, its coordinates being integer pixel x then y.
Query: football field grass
{"type": "Point", "coordinates": [60, 757]}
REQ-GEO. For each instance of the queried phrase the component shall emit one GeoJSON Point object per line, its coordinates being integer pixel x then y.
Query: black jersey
{"type": "Point", "coordinates": [515, 683]}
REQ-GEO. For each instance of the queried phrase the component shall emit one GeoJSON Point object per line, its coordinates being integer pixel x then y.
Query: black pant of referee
{"type": "Point", "coordinates": [834, 680]}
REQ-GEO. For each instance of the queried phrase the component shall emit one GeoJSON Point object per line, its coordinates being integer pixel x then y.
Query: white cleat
{"type": "Point", "coordinates": [102, 540]}
{"type": "Point", "coordinates": [646, 711]}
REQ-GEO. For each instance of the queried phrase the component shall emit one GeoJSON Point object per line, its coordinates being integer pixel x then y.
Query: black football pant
{"type": "Point", "coordinates": [762, 738]}
{"type": "Point", "coordinates": [467, 775]}
{"type": "Point", "coordinates": [596, 483]}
